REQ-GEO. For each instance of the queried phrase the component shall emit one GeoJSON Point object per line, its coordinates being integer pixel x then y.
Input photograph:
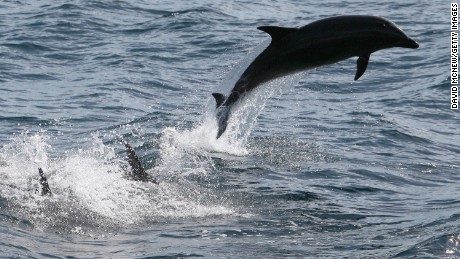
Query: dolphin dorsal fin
{"type": "Point", "coordinates": [277, 32]}
{"type": "Point", "coordinates": [220, 98]}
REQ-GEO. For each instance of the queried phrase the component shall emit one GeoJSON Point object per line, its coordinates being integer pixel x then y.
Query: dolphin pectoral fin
{"type": "Point", "coordinates": [362, 65]}
{"type": "Point", "coordinates": [220, 98]}
{"type": "Point", "coordinates": [277, 32]}
{"type": "Point", "coordinates": [44, 183]}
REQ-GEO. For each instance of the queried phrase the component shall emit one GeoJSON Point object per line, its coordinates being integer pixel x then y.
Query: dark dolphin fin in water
{"type": "Point", "coordinates": [45, 190]}
{"type": "Point", "coordinates": [361, 65]}
{"type": "Point", "coordinates": [137, 170]}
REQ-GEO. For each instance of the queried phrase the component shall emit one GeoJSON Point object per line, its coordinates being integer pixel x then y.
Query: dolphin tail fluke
{"type": "Point", "coordinates": [44, 183]}
{"type": "Point", "coordinates": [220, 99]}
{"type": "Point", "coordinates": [222, 115]}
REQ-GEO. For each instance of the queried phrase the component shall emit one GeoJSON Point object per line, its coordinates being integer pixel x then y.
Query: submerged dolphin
{"type": "Point", "coordinates": [137, 171]}
{"type": "Point", "coordinates": [320, 43]}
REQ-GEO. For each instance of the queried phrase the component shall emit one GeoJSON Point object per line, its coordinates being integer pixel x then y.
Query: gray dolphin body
{"type": "Point", "coordinates": [320, 43]}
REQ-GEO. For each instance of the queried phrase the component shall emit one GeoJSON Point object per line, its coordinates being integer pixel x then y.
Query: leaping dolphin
{"type": "Point", "coordinates": [319, 43]}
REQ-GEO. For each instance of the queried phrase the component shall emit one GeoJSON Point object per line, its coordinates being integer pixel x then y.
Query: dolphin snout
{"type": "Point", "coordinates": [409, 43]}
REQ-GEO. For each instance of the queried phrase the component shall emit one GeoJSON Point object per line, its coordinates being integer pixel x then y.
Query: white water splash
{"type": "Point", "coordinates": [190, 151]}
{"type": "Point", "coordinates": [90, 188]}
{"type": "Point", "coordinates": [243, 118]}
{"type": "Point", "coordinates": [89, 185]}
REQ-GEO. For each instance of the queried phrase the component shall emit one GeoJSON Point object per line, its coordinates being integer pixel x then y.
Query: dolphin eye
{"type": "Point", "coordinates": [385, 24]}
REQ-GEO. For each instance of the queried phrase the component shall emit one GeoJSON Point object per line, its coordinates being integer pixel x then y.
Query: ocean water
{"type": "Point", "coordinates": [314, 165]}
